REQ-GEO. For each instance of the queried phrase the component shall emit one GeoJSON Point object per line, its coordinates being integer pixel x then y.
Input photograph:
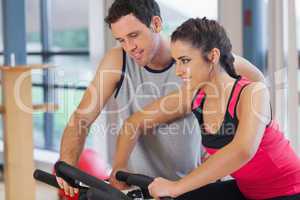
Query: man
{"type": "Point", "coordinates": [130, 77]}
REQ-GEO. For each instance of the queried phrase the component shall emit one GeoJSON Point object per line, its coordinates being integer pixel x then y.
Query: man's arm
{"type": "Point", "coordinates": [245, 68]}
{"type": "Point", "coordinates": [95, 97]}
{"type": "Point", "coordinates": [98, 92]}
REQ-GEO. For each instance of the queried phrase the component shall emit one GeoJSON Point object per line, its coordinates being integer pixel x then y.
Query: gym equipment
{"type": "Point", "coordinates": [92, 163]}
{"type": "Point", "coordinates": [92, 188]}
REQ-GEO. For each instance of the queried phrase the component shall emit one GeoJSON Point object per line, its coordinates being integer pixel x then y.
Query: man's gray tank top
{"type": "Point", "coordinates": [170, 150]}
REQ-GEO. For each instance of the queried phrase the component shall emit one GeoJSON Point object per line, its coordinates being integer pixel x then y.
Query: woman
{"type": "Point", "coordinates": [236, 126]}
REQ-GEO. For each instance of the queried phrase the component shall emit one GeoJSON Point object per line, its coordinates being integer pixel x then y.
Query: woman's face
{"type": "Point", "coordinates": [191, 66]}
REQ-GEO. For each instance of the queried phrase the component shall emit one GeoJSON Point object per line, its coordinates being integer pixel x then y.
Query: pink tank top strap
{"type": "Point", "coordinates": [236, 94]}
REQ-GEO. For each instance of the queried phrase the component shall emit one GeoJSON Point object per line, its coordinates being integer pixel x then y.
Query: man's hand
{"type": "Point", "coordinates": [114, 182]}
{"type": "Point", "coordinates": [69, 191]}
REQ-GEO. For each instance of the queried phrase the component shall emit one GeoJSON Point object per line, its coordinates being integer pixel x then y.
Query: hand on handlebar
{"type": "Point", "coordinates": [115, 183]}
{"type": "Point", "coordinates": [88, 186]}
{"type": "Point", "coordinates": [69, 191]}
{"type": "Point", "coordinates": [161, 187]}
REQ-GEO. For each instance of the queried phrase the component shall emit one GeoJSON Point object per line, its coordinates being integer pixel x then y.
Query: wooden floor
{"type": "Point", "coordinates": [43, 192]}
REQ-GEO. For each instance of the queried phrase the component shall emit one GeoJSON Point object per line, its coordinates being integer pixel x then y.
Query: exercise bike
{"type": "Point", "coordinates": [92, 188]}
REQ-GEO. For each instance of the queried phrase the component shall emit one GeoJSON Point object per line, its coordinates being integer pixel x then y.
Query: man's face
{"type": "Point", "coordinates": [138, 40]}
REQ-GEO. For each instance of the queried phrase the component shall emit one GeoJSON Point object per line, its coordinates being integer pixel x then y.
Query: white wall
{"type": "Point", "coordinates": [292, 76]}
{"type": "Point", "coordinates": [283, 67]}
{"type": "Point", "coordinates": [100, 38]}
{"type": "Point", "coordinates": [230, 16]}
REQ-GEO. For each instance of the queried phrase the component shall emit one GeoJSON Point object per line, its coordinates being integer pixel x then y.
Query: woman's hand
{"type": "Point", "coordinates": [161, 187]}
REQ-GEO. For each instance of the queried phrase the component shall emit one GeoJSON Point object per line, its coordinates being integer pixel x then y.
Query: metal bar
{"type": "Point", "coordinates": [57, 86]}
{"type": "Point", "coordinates": [14, 32]}
{"type": "Point", "coordinates": [48, 78]}
{"type": "Point", "coordinates": [254, 32]}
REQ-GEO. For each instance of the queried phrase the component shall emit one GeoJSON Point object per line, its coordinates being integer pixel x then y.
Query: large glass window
{"type": "Point", "coordinates": [70, 24]}
{"type": "Point", "coordinates": [37, 98]}
{"type": "Point", "coordinates": [177, 11]}
{"type": "Point", "coordinates": [33, 22]}
{"type": "Point", "coordinates": [75, 72]}
{"type": "Point", "coordinates": [67, 35]}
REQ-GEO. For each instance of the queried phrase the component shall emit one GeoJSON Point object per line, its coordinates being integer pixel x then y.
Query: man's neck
{"type": "Point", "coordinates": [162, 57]}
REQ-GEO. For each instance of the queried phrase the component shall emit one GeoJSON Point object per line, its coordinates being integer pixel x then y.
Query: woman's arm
{"type": "Point", "coordinates": [253, 113]}
{"type": "Point", "coordinates": [164, 110]}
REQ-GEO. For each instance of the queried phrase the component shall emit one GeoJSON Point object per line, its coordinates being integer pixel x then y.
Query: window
{"type": "Point", "coordinates": [33, 34]}
{"type": "Point", "coordinates": [67, 34]}
{"type": "Point", "coordinates": [75, 72]}
{"type": "Point", "coordinates": [37, 98]}
{"type": "Point", "coordinates": [70, 24]}
{"type": "Point", "coordinates": [71, 76]}
{"type": "Point", "coordinates": [177, 11]}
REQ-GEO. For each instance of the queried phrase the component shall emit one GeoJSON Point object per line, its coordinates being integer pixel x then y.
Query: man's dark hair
{"type": "Point", "coordinates": [143, 10]}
